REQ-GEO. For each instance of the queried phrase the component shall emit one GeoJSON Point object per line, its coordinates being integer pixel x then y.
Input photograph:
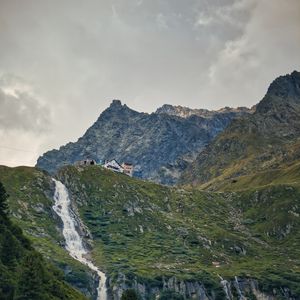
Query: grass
{"type": "Point", "coordinates": [288, 174]}
{"type": "Point", "coordinates": [151, 231]}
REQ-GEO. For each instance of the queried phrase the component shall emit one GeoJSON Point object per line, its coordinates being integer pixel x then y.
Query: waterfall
{"type": "Point", "coordinates": [237, 286]}
{"type": "Point", "coordinates": [74, 243]}
{"type": "Point", "coordinates": [226, 288]}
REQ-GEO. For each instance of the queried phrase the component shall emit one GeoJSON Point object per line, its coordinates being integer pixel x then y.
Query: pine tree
{"type": "Point", "coordinates": [31, 285]}
{"type": "Point", "coordinates": [3, 200]}
{"type": "Point", "coordinates": [9, 250]}
{"type": "Point", "coordinates": [170, 295]}
{"type": "Point", "coordinates": [129, 295]}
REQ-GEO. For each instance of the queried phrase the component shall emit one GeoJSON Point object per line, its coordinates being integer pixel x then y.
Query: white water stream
{"type": "Point", "coordinates": [74, 244]}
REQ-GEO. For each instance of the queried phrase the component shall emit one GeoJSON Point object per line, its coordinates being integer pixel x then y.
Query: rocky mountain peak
{"type": "Point", "coordinates": [116, 103]}
{"type": "Point", "coordinates": [117, 110]}
{"type": "Point", "coordinates": [282, 91]}
{"type": "Point", "coordinates": [286, 86]}
{"type": "Point", "coordinates": [154, 143]}
{"type": "Point", "coordinates": [261, 141]}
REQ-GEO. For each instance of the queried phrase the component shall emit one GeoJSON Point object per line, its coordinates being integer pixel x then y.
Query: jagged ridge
{"type": "Point", "coordinates": [186, 112]}
{"type": "Point", "coordinates": [154, 143]}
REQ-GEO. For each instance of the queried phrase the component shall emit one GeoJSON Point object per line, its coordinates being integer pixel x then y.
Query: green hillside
{"type": "Point", "coordinates": [31, 198]}
{"type": "Point", "coordinates": [149, 232]}
{"type": "Point", "coordinates": [24, 273]}
{"type": "Point", "coordinates": [284, 174]}
{"type": "Point", "coordinates": [153, 238]}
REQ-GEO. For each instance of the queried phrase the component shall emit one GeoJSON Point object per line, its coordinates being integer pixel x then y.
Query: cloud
{"type": "Point", "coordinates": [25, 122]}
{"type": "Point", "coordinates": [19, 108]}
{"type": "Point", "coordinates": [161, 21]}
{"type": "Point", "coordinates": [20, 148]}
{"type": "Point", "coordinates": [234, 14]}
{"type": "Point", "coordinates": [269, 46]}
{"type": "Point", "coordinates": [76, 56]}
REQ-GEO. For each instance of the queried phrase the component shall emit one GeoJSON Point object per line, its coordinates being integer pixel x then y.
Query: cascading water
{"type": "Point", "coordinates": [226, 288]}
{"type": "Point", "coordinates": [74, 244]}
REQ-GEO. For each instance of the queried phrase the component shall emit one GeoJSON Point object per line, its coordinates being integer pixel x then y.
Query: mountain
{"type": "Point", "coordinates": [163, 242]}
{"type": "Point", "coordinates": [231, 231]}
{"type": "Point", "coordinates": [266, 140]}
{"type": "Point", "coordinates": [158, 144]}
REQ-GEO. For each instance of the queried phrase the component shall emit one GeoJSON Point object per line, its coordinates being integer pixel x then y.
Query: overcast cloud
{"type": "Point", "coordinates": [63, 61]}
{"type": "Point", "coordinates": [20, 110]}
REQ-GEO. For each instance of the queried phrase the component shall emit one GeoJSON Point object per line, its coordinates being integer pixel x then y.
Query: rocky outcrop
{"type": "Point", "coordinates": [188, 289]}
{"type": "Point", "coordinates": [186, 112]}
{"type": "Point", "coordinates": [160, 144]}
{"type": "Point", "coordinates": [237, 288]}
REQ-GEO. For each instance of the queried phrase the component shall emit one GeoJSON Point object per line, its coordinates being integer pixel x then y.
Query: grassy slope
{"type": "Point", "coordinates": [24, 274]}
{"type": "Point", "coordinates": [271, 214]}
{"type": "Point", "coordinates": [148, 230]}
{"type": "Point", "coordinates": [30, 204]}
{"type": "Point", "coordinates": [283, 174]}
{"type": "Point", "coordinates": [237, 153]}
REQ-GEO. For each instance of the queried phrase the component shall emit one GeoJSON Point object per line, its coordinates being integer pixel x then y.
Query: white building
{"type": "Point", "coordinates": [128, 168]}
{"type": "Point", "coordinates": [114, 166]}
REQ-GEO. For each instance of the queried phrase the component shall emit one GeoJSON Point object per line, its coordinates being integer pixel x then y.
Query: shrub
{"type": "Point", "coordinates": [129, 294]}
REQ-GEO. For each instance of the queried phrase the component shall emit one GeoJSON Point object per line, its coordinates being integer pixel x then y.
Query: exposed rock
{"type": "Point", "coordinates": [243, 288]}
{"type": "Point", "coordinates": [186, 112]}
{"type": "Point", "coordinates": [188, 289]}
{"type": "Point", "coordinates": [160, 144]}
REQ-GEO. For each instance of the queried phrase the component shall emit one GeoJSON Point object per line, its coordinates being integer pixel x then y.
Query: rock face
{"type": "Point", "coordinates": [238, 288]}
{"type": "Point", "coordinates": [187, 289]}
{"type": "Point", "coordinates": [158, 144]}
{"type": "Point", "coordinates": [257, 142]}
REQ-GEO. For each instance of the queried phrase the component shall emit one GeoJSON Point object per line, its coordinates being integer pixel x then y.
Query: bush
{"type": "Point", "coordinates": [170, 295]}
{"type": "Point", "coordinates": [129, 295]}
{"type": "Point", "coordinates": [3, 200]}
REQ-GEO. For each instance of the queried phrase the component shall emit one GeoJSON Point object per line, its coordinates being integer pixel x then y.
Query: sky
{"type": "Point", "coordinates": [63, 61]}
